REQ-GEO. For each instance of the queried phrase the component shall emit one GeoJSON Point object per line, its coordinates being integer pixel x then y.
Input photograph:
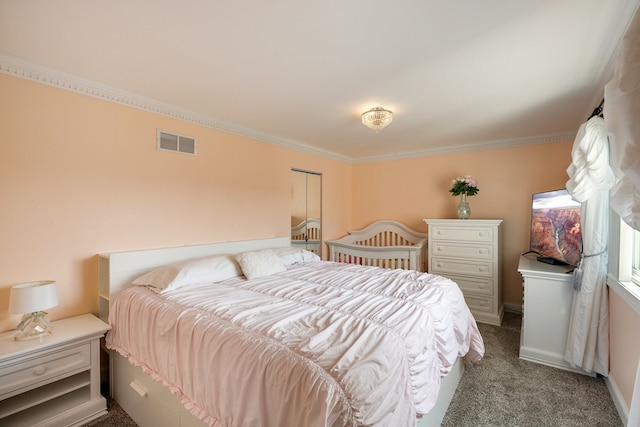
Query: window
{"type": "Point", "coordinates": [624, 267]}
{"type": "Point", "coordinates": [635, 262]}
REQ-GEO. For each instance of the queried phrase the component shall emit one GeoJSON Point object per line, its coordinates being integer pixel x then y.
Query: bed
{"type": "Point", "coordinates": [306, 235]}
{"type": "Point", "coordinates": [384, 243]}
{"type": "Point", "coordinates": [341, 377]}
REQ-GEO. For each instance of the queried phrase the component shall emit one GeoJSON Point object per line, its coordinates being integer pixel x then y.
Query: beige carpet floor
{"type": "Point", "coordinates": [503, 390]}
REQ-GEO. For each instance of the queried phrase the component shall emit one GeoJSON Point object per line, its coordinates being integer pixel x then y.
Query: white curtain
{"type": "Point", "coordinates": [622, 117]}
{"type": "Point", "coordinates": [590, 178]}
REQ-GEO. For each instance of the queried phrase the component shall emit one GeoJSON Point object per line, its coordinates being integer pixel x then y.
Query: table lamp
{"type": "Point", "coordinates": [31, 299]}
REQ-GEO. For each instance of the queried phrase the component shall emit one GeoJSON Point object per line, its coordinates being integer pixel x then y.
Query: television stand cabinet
{"type": "Point", "coordinates": [548, 297]}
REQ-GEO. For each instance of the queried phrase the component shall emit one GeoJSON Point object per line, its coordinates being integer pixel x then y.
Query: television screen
{"type": "Point", "coordinates": [555, 227]}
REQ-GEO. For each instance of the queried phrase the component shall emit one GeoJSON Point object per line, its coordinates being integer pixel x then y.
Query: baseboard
{"type": "Point", "coordinates": [513, 308]}
{"type": "Point", "coordinates": [621, 406]}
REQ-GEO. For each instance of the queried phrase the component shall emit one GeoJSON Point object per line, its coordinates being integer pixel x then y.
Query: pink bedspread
{"type": "Point", "coordinates": [321, 344]}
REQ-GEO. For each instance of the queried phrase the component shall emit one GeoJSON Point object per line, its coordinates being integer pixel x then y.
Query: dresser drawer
{"type": "Point", "coordinates": [478, 285]}
{"type": "Point", "coordinates": [43, 369]}
{"type": "Point", "coordinates": [445, 267]}
{"type": "Point", "coordinates": [461, 250]}
{"type": "Point", "coordinates": [479, 304]}
{"type": "Point", "coordinates": [478, 234]}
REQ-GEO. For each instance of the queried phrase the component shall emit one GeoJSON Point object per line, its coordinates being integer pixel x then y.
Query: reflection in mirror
{"type": "Point", "coordinates": [306, 207]}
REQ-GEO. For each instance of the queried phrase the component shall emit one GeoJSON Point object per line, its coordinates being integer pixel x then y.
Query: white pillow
{"type": "Point", "coordinates": [204, 270]}
{"type": "Point", "coordinates": [290, 255]}
{"type": "Point", "coordinates": [261, 263]}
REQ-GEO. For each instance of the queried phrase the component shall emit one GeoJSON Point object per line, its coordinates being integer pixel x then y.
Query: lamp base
{"type": "Point", "coordinates": [33, 325]}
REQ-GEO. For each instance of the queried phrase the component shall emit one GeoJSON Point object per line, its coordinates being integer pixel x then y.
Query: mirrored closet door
{"type": "Point", "coordinates": [306, 207]}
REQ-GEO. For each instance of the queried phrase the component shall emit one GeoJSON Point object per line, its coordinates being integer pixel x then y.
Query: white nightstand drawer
{"type": "Point", "coordinates": [446, 267]}
{"type": "Point", "coordinates": [42, 369]}
{"type": "Point", "coordinates": [479, 285]}
{"type": "Point", "coordinates": [461, 250]}
{"type": "Point", "coordinates": [462, 234]}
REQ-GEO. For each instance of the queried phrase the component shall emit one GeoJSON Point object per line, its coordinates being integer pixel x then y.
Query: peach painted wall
{"type": "Point", "coordinates": [410, 190]}
{"type": "Point", "coordinates": [624, 324]}
{"type": "Point", "coordinates": [80, 176]}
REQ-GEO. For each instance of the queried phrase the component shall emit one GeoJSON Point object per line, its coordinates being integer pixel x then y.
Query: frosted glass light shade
{"type": "Point", "coordinates": [33, 296]}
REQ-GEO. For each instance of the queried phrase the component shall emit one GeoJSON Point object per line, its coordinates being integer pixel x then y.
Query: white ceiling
{"type": "Point", "coordinates": [458, 75]}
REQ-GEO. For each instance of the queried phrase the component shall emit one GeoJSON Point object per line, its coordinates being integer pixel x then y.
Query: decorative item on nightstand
{"type": "Point", "coordinates": [31, 299]}
{"type": "Point", "coordinates": [464, 186]}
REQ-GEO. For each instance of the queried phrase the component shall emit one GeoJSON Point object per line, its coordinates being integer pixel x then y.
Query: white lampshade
{"type": "Point", "coordinates": [33, 296]}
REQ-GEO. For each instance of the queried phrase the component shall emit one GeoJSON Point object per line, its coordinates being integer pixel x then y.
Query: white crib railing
{"type": "Point", "coordinates": [386, 244]}
{"type": "Point", "coordinates": [306, 235]}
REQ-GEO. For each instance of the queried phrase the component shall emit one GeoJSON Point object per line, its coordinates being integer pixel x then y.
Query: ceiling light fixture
{"type": "Point", "coordinates": [377, 118]}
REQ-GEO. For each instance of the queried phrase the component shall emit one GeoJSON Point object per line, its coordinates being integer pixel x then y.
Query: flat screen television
{"type": "Point", "coordinates": [555, 228]}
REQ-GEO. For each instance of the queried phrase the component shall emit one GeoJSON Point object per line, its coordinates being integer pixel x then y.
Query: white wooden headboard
{"type": "Point", "coordinates": [117, 270]}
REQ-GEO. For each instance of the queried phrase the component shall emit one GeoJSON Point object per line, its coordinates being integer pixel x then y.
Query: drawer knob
{"type": "Point", "coordinates": [39, 370]}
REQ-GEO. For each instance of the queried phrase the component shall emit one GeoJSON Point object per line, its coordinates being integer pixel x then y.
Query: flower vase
{"type": "Point", "coordinates": [464, 211]}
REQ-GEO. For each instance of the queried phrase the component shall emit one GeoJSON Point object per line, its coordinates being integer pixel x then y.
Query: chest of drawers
{"type": "Point", "coordinates": [468, 252]}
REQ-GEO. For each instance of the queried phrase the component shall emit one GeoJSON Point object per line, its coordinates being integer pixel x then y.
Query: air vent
{"type": "Point", "coordinates": [176, 143]}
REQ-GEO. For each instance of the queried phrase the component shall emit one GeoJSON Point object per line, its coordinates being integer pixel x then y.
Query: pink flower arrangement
{"type": "Point", "coordinates": [464, 185]}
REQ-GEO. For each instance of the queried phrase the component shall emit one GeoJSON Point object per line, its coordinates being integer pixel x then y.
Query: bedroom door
{"type": "Point", "coordinates": [306, 210]}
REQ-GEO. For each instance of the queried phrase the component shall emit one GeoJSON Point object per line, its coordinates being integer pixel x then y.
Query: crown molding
{"type": "Point", "coordinates": [25, 70]}
{"type": "Point", "coordinates": [492, 145]}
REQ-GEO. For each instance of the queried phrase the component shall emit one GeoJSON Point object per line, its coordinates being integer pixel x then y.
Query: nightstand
{"type": "Point", "coordinates": [53, 380]}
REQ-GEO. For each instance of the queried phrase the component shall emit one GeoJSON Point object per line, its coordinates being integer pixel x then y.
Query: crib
{"type": "Point", "coordinates": [385, 243]}
{"type": "Point", "coordinates": [306, 235]}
